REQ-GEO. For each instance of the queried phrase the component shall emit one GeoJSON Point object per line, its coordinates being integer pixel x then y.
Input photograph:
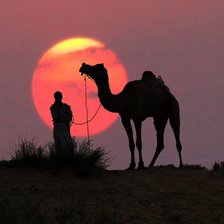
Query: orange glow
{"type": "Point", "coordinates": [58, 69]}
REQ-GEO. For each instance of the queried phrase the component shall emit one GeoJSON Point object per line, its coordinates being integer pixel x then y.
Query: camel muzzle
{"type": "Point", "coordinates": [81, 69]}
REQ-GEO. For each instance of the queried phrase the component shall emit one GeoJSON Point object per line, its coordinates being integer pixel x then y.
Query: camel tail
{"type": "Point", "coordinates": [174, 119]}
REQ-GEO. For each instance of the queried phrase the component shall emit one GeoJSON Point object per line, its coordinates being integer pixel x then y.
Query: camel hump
{"type": "Point", "coordinates": [150, 79]}
{"type": "Point", "coordinates": [148, 76]}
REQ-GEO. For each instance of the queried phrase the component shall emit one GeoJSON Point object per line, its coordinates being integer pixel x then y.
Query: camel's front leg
{"type": "Point", "coordinates": [138, 128]}
{"type": "Point", "coordinates": [127, 125]}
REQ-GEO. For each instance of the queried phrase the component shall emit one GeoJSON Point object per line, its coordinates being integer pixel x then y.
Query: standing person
{"type": "Point", "coordinates": [62, 116]}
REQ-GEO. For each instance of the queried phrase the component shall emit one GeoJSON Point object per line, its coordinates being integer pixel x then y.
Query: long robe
{"type": "Point", "coordinates": [62, 115]}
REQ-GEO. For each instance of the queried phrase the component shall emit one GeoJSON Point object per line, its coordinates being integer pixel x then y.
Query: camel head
{"type": "Point", "coordinates": [97, 72]}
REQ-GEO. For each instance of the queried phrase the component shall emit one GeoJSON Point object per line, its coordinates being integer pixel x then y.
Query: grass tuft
{"type": "Point", "coordinates": [85, 158]}
{"type": "Point", "coordinates": [218, 166]}
{"type": "Point", "coordinates": [28, 153]}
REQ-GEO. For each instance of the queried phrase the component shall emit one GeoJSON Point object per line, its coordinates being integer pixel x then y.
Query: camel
{"type": "Point", "coordinates": [146, 97]}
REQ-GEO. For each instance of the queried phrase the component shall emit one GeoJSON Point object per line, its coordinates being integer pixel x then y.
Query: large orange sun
{"type": "Point", "coordinates": [58, 69]}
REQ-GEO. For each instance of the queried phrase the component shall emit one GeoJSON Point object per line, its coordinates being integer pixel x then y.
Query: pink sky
{"type": "Point", "coordinates": [180, 40]}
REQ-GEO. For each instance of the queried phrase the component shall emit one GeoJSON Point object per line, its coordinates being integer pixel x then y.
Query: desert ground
{"type": "Point", "coordinates": [156, 195]}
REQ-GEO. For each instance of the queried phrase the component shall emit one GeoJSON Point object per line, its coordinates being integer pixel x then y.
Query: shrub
{"type": "Point", "coordinates": [84, 157]}
{"type": "Point", "coordinates": [28, 153]}
{"type": "Point", "coordinates": [50, 150]}
{"type": "Point", "coordinates": [218, 166]}
{"type": "Point", "coordinates": [87, 158]}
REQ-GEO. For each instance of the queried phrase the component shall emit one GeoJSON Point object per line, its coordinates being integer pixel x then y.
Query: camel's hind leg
{"type": "Point", "coordinates": [127, 125]}
{"type": "Point", "coordinates": [160, 124]}
{"type": "Point", "coordinates": [175, 124]}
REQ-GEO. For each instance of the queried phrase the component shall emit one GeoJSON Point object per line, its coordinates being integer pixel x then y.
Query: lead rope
{"type": "Point", "coordinates": [87, 111]}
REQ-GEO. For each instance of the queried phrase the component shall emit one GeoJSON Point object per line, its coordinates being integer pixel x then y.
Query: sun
{"type": "Point", "coordinates": [58, 69]}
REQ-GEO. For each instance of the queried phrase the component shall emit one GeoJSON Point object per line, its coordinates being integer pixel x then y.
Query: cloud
{"type": "Point", "coordinates": [44, 65]}
{"type": "Point", "coordinates": [92, 95]}
{"type": "Point", "coordinates": [73, 86]}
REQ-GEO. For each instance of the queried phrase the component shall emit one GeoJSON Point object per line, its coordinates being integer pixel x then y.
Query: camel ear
{"type": "Point", "coordinates": [83, 64]}
{"type": "Point", "coordinates": [102, 65]}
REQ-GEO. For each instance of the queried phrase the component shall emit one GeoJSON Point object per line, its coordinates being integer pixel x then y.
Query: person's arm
{"type": "Point", "coordinates": [54, 114]}
{"type": "Point", "coordinates": [68, 114]}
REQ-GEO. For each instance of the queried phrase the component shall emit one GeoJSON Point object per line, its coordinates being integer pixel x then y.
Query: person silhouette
{"type": "Point", "coordinates": [62, 116]}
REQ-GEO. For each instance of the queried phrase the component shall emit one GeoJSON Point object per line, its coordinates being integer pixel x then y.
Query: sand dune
{"type": "Point", "coordinates": [157, 195]}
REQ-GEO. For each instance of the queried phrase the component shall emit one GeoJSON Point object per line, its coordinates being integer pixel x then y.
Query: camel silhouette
{"type": "Point", "coordinates": [147, 97]}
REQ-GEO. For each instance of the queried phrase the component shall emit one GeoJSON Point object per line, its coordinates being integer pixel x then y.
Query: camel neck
{"type": "Point", "coordinates": [104, 89]}
{"type": "Point", "coordinates": [109, 101]}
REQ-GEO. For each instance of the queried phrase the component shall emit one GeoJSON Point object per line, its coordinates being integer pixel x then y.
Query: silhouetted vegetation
{"type": "Point", "coordinates": [218, 166]}
{"type": "Point", "coordinates": [194, 166]}
{"type": "Point", "coordinates": [84, 159]}
{"type": "Point", "coordinates": [28, 153]}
